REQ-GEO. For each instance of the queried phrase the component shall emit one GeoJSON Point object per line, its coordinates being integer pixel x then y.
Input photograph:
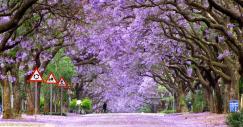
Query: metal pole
{"type": "Point", "coordinates": [12, 100]}
{"type": "Point", "coordinates": [54, 99]}
{"type": "Point", "coordinates": [11, 95]}
{"type": "Point", "coordinates": [173, 102]}
{"type": "Point", "coordinates": [36, 99]}
{"type": "Point", "coordinates": [241, 102]}
{"type": "Point", "coordinates": [2, 100]}
{"type": "Point", "coordinates": [69, 100]}
{"type": "Point", "coordinates": [61, 99]}
{"type": "Point", "coordinates": [51, 100]}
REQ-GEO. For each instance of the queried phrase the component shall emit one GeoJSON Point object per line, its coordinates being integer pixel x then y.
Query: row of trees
{"type": "Point", "coordinates": [32, 33]}
{"type": "Point", "coordinates": [45, 29]}
{"type": "Point", "coordinates": [205, 48]}
{"type": "Point", "coordinates": [183, 45]}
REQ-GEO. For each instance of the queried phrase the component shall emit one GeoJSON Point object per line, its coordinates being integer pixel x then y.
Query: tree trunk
{"type": "Point", "coordinates": [218, 99]}
{"type": "Point", "coordinates": [38, 97]}
{"type": "Point", "coordinates": [46, 105]}
{"type": "Point", "coordinates": [232, 85]}
{"type": "Point", "coordinates": [7, 111]}
{"type": "Point", "coordinates": [47, 102]}
{"type": "Point", "coordinates": [30, 99]}
{"type": "Point", "coordinates": [209, 99]}
{"type": "Point", "coordinates": [29, 93]}
{"type": "Point", "coordinates": [231, 90]}
{"type": "Point", "coordinates": [226, 98]}
{"type": "Point", "coordinates": [180, 102]}
{"type": "Point", "coordinates": [177, 105]}
{"type": "Point", "coordinates": [17, 100]}
{"type": "Point", "coordinates": [183, 106]}
{"type": "Point", "coordinates": [16, 94]}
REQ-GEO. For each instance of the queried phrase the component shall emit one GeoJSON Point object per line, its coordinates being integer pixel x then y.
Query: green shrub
{"type": "Point", "coordinates": [145, 109]}
{"type": "Point", "coordinates": [42, 104]}
{"type": "Point", "coordinates": [168, 111]}
{"type": "Point", "coordinates": [86, 104]}
{"type": "Point", "coordinates": [72, 104]}
{"type": "Point", "coordinates": [199, 103]}
{"type": "Point", "coordinates": [235, 119]}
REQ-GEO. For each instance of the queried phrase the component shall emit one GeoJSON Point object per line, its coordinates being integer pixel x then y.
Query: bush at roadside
{"type": "Point", "coordinates": [86, 104]}
{"type": "Point", "coordinates": [235, 119]}
{"type": "Point", "coordinates": [73, 105]}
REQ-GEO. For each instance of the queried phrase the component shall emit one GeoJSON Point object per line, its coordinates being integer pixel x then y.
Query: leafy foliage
{"type": "Point", "coordinates": [62, 66]}
{"type": "Point", "coordinates": [235, 119]}
{"type": "Point", "coordinates": [199, 103]}
{"type": "Point", "coordinates": [145, 109]}
{"type": "Point", "coordinates": [86, 104]}
{"type": "Point", "coordinates": [121, 43]}
{"type": "Point", "coordinates": [168, 111]}
{"type": "Point", "coordinates": [73, 104]}
{"type": "Point", "coordinates": [42, 104]}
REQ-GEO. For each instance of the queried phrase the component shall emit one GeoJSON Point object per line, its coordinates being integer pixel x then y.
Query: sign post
{"type": "Point", "coordinates": [241, 102]}
{"type": "Point", "coordinates": [51, 100]}
{"type": "Point", "coordinates": [61, 99]}
{"type": "Point", "coordinates": [2, 101]}
{"type": "Point", "coordinates": [36, 91]}
{"type": "Point", "coordinates": [62, 84]}
{"type": "Point", "coordinates": [51, 80]}
{"type": "Point", "coordinates": [36, 77]}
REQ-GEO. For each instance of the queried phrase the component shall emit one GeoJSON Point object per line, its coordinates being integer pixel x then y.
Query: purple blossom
{"type": "Point", "coordinates": [188, 62]}
{"type": "Point", "coordinates": [223, 55]}
{"type": "Point", "coordinates": [4, 19]}
{"type": "Point", "coordinates": [189, 72]}
{"type": "Point", "coordinates": [221, 39]}
{"type": "Point", "coordinates": [75, 80]}
{"type": "Point", "coordinates": [12, 79]}
{"type": "Point", "coordinates": [28, 73]}
{"type": "Point", "coordinates": [121, 2]}
{"type": "Point", "coordinates": [21, 67]}
{"type": "Point", "coordinates": [72, 52]}
{"type": "Point", "coordinates": [230, 34]}
{"type": "Point", "coordinates": [2, 65]}
{"type": "Point", "coordinates": [140, 1]}
{"type": "Point", "coordinates": [230, 25]}
{"type": "Point", "coordinates": [2, 77]}
{"type": "Point", "coordinates": [9, 60]}
{"type": "Point", "coordinates": [41, 69]}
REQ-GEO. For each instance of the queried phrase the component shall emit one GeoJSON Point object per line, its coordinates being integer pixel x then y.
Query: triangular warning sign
{"type": "Point", "coordinates": [36, 76]}
{"type": "Point", "coordinates": [51, 79]}
{"type": "Point", "coordinates": [62, 83]}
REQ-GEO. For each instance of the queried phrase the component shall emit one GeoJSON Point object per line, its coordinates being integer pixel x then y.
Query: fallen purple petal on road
{"type": "Point", "coordinates": [124, 120]}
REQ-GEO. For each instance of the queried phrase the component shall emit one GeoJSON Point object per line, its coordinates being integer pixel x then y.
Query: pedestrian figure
{"type": "Point", "coordinates": [105, 107]}
{"type": "Point", "coordinates": [189, 106]}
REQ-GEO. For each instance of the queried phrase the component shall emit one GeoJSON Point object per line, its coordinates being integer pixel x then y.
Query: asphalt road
{"type": "Point", "coordinates": [121, 120]}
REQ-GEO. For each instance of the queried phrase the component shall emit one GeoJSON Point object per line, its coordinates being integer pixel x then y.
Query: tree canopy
{"type": "Point", "coordinates": [120, 51]}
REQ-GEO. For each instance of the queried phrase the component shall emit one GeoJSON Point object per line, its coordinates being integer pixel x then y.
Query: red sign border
{"type": "Point", "coordinates": [36, 69]}
{"type": "Point", "coordinates": [59, 82]}
{"type": "Point", "coordinates": [53, 77]}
